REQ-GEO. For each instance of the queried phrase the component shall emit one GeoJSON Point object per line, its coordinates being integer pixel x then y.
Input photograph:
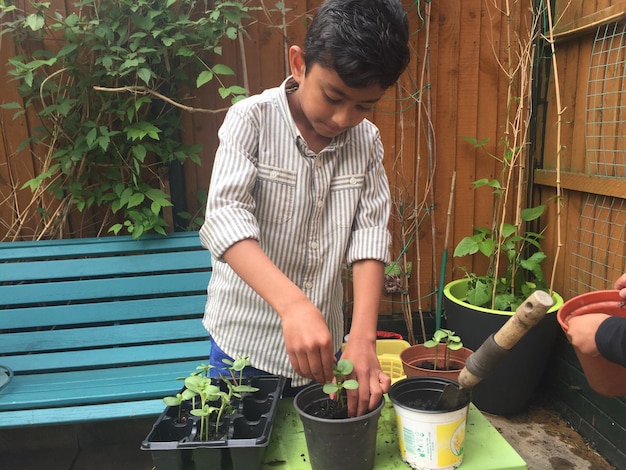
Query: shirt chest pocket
{"type": "Point", "coordinates": [345, 194]}
{"type": "Point", "coordinates": [275, 194]}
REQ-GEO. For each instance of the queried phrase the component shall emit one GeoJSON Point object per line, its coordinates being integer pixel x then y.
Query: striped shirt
{"type": "Point", "coordinates": [311, 214]}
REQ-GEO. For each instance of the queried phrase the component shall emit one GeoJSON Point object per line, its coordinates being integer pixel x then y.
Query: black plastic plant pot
{"type": "Point", "coordinates": [337, 444]}
{"type": "Point", "coordinates": [240, 445]}
{"type": "Point", "coordinates": [510, 387]}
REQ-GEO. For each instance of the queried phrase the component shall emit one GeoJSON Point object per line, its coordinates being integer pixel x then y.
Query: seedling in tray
{"type": "Point", "coordinates": [209, 399]}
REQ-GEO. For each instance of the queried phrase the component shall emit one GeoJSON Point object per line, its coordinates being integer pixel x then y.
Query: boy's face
{"type": "Point", "coordinates": [325, 103]}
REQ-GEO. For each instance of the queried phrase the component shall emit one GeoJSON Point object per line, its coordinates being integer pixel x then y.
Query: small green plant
{"type": "Point", "coordinates": [208, 398]}
{"type": "Point", "coordinates": [452, 342]}
{"type": "Point", "coordinates": [341, 370]}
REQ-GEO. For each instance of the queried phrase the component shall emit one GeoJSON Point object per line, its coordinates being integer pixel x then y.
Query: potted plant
{"type": "Point", "coordinates": [442, 356]}
{"type": "Point", "coordinates": [216, 423]}
{"type": "Point", "coordinates": [334, 440]}
{"type": "Point", "coordinates": [480, 303]}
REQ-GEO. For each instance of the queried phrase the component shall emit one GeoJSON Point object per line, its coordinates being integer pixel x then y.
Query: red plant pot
{"type": "Point", "coordinates": [605, 377]}
{"type": "Point", "coordinates": [413, 356]}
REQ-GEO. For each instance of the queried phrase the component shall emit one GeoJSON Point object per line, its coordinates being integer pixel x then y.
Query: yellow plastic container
{"type": "Point", "coordinates": [388, 351]}
{"type": "Point", "coordinates": [392, 366]}
{"type": "Point", "coordinates": [390, 346]}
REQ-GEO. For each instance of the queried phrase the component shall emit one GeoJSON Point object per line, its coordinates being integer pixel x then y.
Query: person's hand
{"type": "Point", "coordinates": [373, 382]}
{"type": "Point", "coordinates": [308, 343]}
{"type": "Point", "coordinates": [620, 285]}
{"type": "Point", "coordinates": [581, 332]}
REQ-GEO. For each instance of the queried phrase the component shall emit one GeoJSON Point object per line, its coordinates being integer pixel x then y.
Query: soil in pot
{"type": "Point", "coordinates": [327, 409]}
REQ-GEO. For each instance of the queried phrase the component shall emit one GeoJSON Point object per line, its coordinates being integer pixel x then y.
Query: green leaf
{"type": "Point", "coordinates": [467, 246]}
{"type": "Point", "coordinates": [344, 367]}
{"type": "Point", "coordinates": [35, 21]}
{"type": "Point", "coordinates": [532, 213]}
{"type": "Point", "coordinates": [330, 388]}
{"type": "Point", "coordinates": [145, 75]}
{"type": "Point", "coordinates": [12, 105]}
{"type": "Point", "coordinates": [351, 384]}
{"type": "Point", "coordinates": [115, 228]}
{"type": "Point", "coordinates": [221, 69]}
{"type": "Point", "coordinates": [136, 199]}
{"type": "Point", "coordinates": [204, 77]}
{"type": "Point", "coordinates": [139, 152]}
{"type": "Point", "coordinates": [507, 230]}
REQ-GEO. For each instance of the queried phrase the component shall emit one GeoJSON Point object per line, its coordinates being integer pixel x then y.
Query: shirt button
{"type": "Point", "coordinates": [273, 174]}
{"type": "Point", "coordinates": [353, 181]}
{"type": "Point", "coordinates": [319, 204]}
{"type": "Point", "coordinates": [308, 284]}
{"type": "Point", "coordinates": [314, 245]}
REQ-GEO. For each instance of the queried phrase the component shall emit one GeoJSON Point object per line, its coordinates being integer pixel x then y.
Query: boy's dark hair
{"type": "Point", "coordinates": [364, 41]}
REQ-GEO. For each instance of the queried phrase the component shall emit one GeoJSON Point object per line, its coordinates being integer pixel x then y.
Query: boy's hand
{"type": "Point", "coordinates": [373, 382]}
{"type": "Point", "coordinates": [309, 344]}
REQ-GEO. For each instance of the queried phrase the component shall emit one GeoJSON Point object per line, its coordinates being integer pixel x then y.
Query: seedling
{"type": "Point", "coordinates": [453, 343]}
{"type": "Point", "coordinates": [341, 370]}
{"type": "Point", "coordinates": [207, 398]}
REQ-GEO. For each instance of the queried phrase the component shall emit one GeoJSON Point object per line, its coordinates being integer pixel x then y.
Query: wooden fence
{"type": "Point", "coordinates": [454, 88]}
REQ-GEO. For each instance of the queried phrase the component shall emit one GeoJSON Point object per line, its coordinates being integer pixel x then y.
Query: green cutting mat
{"type": "Point", "coordinates": [485, 448]}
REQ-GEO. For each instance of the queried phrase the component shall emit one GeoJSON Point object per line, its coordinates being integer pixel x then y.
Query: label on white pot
{"type": "Point", "coordinates": [431, 440]}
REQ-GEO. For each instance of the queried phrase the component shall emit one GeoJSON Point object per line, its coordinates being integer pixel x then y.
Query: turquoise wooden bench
{"type": "Point", "coordinates": [99, 328]}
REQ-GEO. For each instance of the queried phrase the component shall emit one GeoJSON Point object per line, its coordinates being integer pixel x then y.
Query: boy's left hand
{"type": "Point", "coordinates": [373, 382]}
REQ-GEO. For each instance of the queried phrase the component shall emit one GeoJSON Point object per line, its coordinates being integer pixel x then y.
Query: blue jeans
{"type": "Point", "coordinates": [219, 367]}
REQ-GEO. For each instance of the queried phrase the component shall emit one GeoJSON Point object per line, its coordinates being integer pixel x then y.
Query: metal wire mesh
{"type": "Point", "coordinates": [598, 256]}
{"type": "Point", "coordinates": [606, 103]}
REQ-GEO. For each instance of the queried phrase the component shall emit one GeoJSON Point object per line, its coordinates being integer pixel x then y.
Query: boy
{"type": "Point", "coordinates": [298, 188]}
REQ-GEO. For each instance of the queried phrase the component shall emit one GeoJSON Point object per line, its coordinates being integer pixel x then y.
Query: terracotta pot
{"type": "Point", "coordinates": [605, 377]}
{"type": "Point", "coordinates": [413, 356]}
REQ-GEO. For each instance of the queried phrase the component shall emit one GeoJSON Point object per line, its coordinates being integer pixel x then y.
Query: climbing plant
{"type": "Point", "coordinates": [108, 82]}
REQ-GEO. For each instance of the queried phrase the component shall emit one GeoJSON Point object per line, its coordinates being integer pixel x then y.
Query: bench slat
{"type": "Point", "coordinates": [94, 289]}
{"type": "Point", "coordinates": [91, 387]}
{"type": "Point", "coordinates": [100, 336]}
{"type": "Point", "coordinates": [123, 356]}
{"type": "Point", "coordinates": [127, 310]}
{"type": "Point", "coordinates": [73, 414]}
{"type": "Point", "coordinates": [100, 267]}
{"type": "Point", "coordinates": [80, 247]}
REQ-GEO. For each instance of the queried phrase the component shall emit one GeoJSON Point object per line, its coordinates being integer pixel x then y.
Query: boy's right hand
{"type": "Point", "coordinates": [309, 344]}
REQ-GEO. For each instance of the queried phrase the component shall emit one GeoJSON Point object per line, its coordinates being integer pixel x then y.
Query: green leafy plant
{"type": "Point", "coordinates": [341, 370]}
{"type": "Point", "coordinates": [450, 339]}
{"type": "Point", "coordinates": [514, 253]}
{"type": "Point", "coordinates": [511, 243]}
{"type": "Point", "coordinates": [208, 398]}
{"type": "Point", "coordinates": [108, 94]}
